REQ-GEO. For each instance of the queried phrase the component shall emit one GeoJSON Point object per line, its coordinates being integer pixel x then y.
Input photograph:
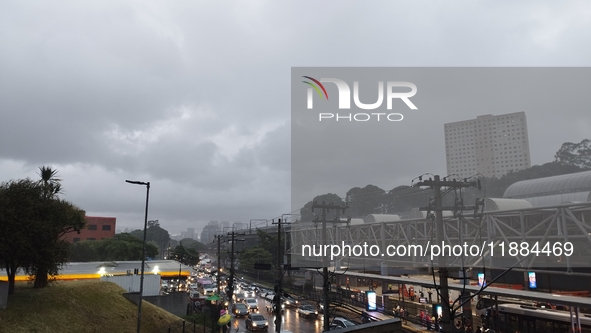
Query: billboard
{"type": "Point", "coordinates": [481, 280]}
{"type": "Point", "coordinates": [533, 284]}
{"type": "Point", "coordinates": [371, 301]}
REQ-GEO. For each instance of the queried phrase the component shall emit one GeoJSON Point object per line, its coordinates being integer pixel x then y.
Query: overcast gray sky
{"type": "Point", "coordinates": [194, 96]}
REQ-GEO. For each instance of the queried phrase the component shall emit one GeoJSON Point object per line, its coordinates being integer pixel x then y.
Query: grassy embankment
{"type": "Point", "coordinates": [79, 306]}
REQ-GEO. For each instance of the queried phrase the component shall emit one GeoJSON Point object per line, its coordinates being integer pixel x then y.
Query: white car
{"type": "Point", "coordinates": [308, 311]}
{"type": "Point", "coordinates": [239, 297]}
{"type": "Point", "coordinates": [342, 322]}
{"type": "Point", "coordinates": [248, 292]}
{"type": "Point", "coordinates": [270, 297]}
{"type": "Point", "coordinates": [252, 304]}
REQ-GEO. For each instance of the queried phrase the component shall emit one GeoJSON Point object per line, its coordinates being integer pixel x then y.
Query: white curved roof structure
{"type": "Point", "coordinates": [372, 218]}
{"type": "Point", "coordinates": [549, 191]}
{"type": "Point", "coordinates": [494, 204]}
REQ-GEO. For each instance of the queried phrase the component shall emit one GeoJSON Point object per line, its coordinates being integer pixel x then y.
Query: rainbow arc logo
{"type": "Point", "coordinates": [316, 86]}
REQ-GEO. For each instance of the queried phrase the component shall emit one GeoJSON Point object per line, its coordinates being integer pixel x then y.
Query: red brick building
{"type": "Point", "coordinates": [97, 228]}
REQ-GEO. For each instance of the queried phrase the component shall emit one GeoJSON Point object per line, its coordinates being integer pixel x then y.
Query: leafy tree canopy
{"type": "Point", "coordinates": [575, 154]}
{"type": "Point", "coordinates": [254, 255]}
{"type": "Point", "coordinates": [186, 255]}
{"type": "Point", "coordinates": [306, 211]}
{"type": "Point", "coordinates": [570, 158]}
{"type": "Point", "coordinates": [190, 243]}
{"type": "Point", "coordinates": [32, 222]}
{"type": "Point", "coordinates": [122, 247]}
{"type": "Point", "coordinates": [365, 201]}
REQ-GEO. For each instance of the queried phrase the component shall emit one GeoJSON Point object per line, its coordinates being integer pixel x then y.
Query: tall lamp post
{"type": "Point", "coordinates": [139, 307]}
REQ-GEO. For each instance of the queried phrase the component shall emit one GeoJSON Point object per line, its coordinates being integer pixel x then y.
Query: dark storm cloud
{"type": "Point", "coordinates": [195, 96]}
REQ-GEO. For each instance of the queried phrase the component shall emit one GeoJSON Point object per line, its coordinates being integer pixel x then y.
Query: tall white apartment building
{"type": "Point", "coordinates": [488, 145]}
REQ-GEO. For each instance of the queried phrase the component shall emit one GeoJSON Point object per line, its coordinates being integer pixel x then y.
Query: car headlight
{"type": "Point", "coordinates": [315, 312]}
{"type": "Point", "coordinates": [254, 324]}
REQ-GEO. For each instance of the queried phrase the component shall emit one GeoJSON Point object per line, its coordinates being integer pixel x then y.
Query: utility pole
{"type": "Point", "coordinates": [436, 184]}
{"type": "Point", "coordinates": [231, 283]}
{"type": "Point", "coordinates": [219, 237]}
{"type": "Point", "coordinates": [279, 280]}
{"type": "Point", "coordinates": [325, 278]}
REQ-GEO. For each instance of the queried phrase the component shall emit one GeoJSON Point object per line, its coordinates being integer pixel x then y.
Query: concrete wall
{"type": "Point", "coordinates": [131, 283]}
{"type": "Point", "coordinates": [385, 326]}
{"type": "Point", "coordinates": [175, 303]}
{"type": "Point", "coordinates": [3, 294]}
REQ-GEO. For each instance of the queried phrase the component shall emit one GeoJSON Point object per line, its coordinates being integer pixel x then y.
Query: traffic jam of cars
{"type": "Point", "coordinates": [254, 305]}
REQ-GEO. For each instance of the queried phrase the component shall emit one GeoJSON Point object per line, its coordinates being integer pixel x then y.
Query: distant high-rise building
{"type": "Point", "coordinates": [210, 231]}
{"type": "Point", "coordinates": [488, 145]}
{"type": "Point", "coordinates": [190, 233]}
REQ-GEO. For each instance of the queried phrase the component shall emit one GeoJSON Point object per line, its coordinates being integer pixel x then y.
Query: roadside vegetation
{"type": "Point", "coordinates": [33, 220]}
{"type": "Point", "coordinates": [79, 306]}
{"type": "Point", "coordinates": [570, 158]}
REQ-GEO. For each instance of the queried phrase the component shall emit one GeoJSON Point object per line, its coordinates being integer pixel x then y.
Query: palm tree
{"type": "Point", "coordinates": [49, 181]}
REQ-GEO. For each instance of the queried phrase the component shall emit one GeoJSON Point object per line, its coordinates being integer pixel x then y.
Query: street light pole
{"type": "Point", "coordinates": [180, 266]}
{"type": "Point", "coordinates": [139, 307]}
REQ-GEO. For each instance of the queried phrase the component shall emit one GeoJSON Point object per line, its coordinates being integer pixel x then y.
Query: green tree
{"type": "Point", "coordinates": [307, 215]}
{"type": "Point", "coordinates": [49, 181]}
{"type": "Point", "coordinates": [190, 243]}
{"type": "Point", "coordinates": [32, 222]}
{"type": "Point", "coordinates": [84, 251]}
{"type": "Point", "coordinates": [57, 218]}
{"type": "Point", "coordinates": [187, 256]}
{"type": "Point", "coordinates": [122, 247]}
{"type": "Point", "coordinates": [254, 255]}
{"type": "Point", "coordinates": [365, 201]}
{"type": "Point", "coordinates": [575, 154]}
{"type": "Point", "coordinates": [404, 198]}
{"type": "Point", "coordinates": [18, 211]}
{"type": "Point", "coordinates": [156, 234]}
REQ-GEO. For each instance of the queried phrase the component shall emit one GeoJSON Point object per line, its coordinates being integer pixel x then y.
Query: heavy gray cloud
{"type": "Point", "coordinates": [195, 96]}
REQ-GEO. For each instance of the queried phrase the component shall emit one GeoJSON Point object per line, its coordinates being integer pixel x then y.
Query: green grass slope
{"type": "Point", "coordinates": [79, 306]}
